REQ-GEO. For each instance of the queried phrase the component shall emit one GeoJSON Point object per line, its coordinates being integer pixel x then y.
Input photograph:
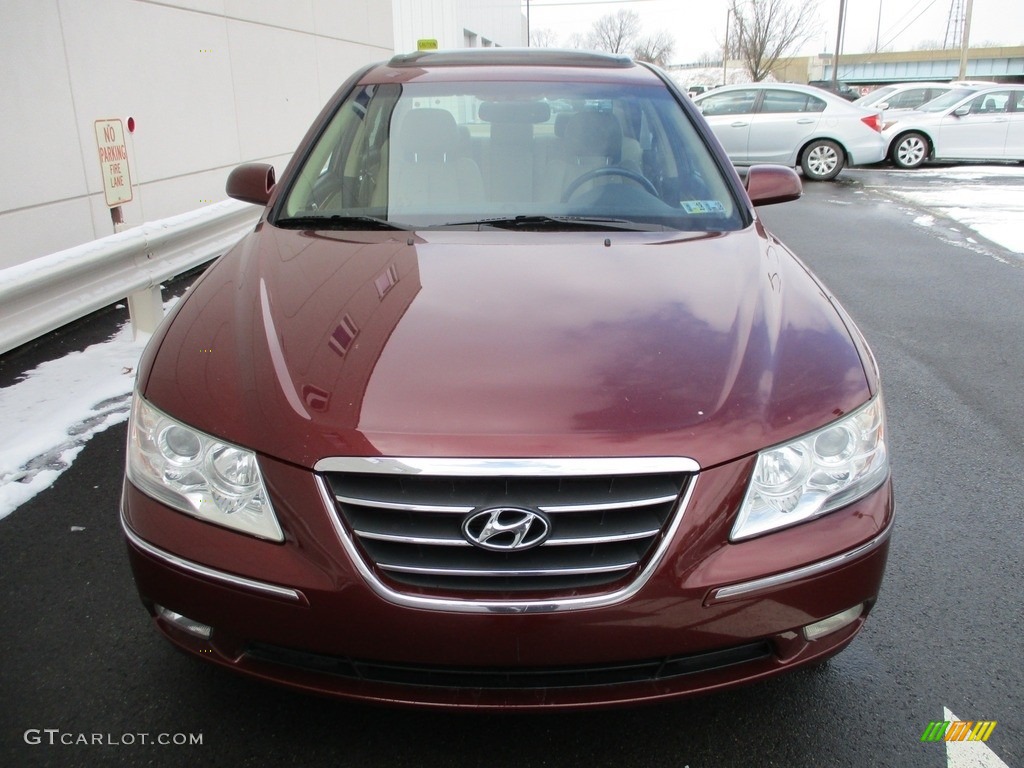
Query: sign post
{"type": "Point", "coordinates": [145, 307]}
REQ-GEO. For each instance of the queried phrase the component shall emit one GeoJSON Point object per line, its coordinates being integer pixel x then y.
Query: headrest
{"type": "Point", "coordinates": [429, 134]}
{"type": "Point", "coordinates": [595, 133]}
{"type": "Point", "coordinates": [515, 111]}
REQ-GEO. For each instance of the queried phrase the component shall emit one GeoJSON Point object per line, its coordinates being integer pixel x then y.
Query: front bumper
{"type": "Point", "coordinates": [712, 616]}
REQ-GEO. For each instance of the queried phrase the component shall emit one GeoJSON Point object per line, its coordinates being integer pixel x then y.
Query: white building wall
{"type": "Point", "coordinates": [210, 84]}
{"type": "Point", "coordinates": [452, 22]}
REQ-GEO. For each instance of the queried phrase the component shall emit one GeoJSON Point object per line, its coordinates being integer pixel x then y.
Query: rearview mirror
{"type": "Point", "coordinates": [770, 184]}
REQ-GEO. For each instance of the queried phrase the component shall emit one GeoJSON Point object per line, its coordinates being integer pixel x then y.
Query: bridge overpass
{"type": "Point", "coordinates": [1004, 64]}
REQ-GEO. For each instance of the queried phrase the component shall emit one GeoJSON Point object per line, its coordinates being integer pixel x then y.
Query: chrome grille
{"type": "Point", "coordinates": [604, 526]}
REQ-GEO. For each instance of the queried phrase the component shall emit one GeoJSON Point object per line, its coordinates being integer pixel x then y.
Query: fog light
{"type": "Point", "coordinates": [833, 623]}
{"type": "Point", "coordinates": [184, 623]}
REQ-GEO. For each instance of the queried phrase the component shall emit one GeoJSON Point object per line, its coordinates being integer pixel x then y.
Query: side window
{"type": "Point", "coordinates": [908, 99]}
{"type": "Point", "coordinates": [989, 103]}
{"type": "Point", "coordinates": [776, 102]}
{"type": "Point", "coordinates": [731, 103]}
{"type": "Point", "coordinates": [814, 104]}
{"type": "Point", "coordinates": [781, 102]}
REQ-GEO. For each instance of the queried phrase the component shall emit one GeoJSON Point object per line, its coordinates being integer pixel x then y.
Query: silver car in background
{"type": "Point", "coordinates": [903, 95]}
{"type": "Point", "coordinates": [967, 123]}
{"type": "Point", "coordinates": [793, 125]}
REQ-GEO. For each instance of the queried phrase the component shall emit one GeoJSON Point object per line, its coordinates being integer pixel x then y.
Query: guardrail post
{"type": "Point", "coordinates": [146, 310]}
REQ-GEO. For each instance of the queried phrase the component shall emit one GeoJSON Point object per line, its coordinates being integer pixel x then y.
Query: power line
{"type": "Point", "coordinates": [923, 11]}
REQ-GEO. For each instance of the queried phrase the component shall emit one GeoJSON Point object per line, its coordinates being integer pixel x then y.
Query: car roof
{"type": "Point", "coordinates": [540, 57]}
{"type": "Point", "coordinates": [494, 64]}
{"type": "Point", "coordinates": [921, 84]}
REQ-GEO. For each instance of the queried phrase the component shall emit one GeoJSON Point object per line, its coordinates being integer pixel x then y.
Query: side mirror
{"type": "Point", "coordinates": [251, 183]}
{"type": "Point", "coordinates": [883, 105]}
{"type": "Point", "coordinates": [962, 111]}
{"type": "Point", "coordinates": [770, 184]}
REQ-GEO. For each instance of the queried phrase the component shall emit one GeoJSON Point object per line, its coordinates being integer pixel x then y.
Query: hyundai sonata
{"type": "Point", "coordinates": [509, 400]}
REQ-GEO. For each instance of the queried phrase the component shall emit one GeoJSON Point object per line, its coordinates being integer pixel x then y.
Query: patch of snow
{"type": "Point", "coordinates": [993, 210]}
{"type": "Point", "coordinates": [52, 413]}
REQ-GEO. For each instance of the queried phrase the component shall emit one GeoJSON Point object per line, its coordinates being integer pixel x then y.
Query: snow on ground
{"type": "Point", "coordinates": [51, 414]}
{"type": "Point", "coordinates": [966, 194]}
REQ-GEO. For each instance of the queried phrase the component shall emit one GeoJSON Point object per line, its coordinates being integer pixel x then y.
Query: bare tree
{"type": "Point", "coordinates": [768, 30]}
{"type": "Point", "coordinates": [708, 58]}
{"type": "Point", "coordinates": [577, 40]}
{"type": "Point", "coordinates": [656, 49]}
{"type": "Point", "coordinates": [543, 38]}
{"type": "Point", "coordinates": [615, 33]}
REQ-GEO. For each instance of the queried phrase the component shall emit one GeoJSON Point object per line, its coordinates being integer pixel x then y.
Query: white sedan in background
{"type": "Point", "coordinates": [903, 95]}
{"type": "Point", "coordinates": [968, 123]}
{"type": "Point", "coordinates": [793, 125]}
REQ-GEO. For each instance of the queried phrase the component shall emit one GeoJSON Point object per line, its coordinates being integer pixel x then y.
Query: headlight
{"type": "Point", "coordinates": [198, 474]}
{"type": "Point", "coordinates": [815, 474]}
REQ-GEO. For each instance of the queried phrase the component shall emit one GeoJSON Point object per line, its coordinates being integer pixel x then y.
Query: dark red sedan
{"type": "Point", "coordinates": [509, 401]}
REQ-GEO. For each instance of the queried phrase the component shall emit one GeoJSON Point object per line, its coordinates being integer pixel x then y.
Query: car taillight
{"type": "Point", "coordinates": [874, 122]}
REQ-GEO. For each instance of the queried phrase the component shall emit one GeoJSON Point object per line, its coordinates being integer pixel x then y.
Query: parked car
{"type": "Point", "coordinates": [902, 96]}
{"type": "Point", "coordinates": [839, 88]}
{"type": "Point", "coordinates": [967, 123]}
{"type": "Point", "coordinates": [533, 415]}
{"type": "Point", "coordinates": [793, 125]}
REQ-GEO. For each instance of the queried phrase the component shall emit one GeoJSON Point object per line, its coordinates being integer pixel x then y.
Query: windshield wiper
{"type": "Point", "coordinates": [557, 223]}
{"type": "Point", "coordinates": [338, 221]}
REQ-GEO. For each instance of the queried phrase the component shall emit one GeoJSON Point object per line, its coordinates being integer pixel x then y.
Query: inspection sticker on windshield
{"type": "Point", "coordinates": [702, 206]}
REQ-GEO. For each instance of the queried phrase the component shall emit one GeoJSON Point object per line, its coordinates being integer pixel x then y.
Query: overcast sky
{"type": "Point", "coordinates": [699, 25]}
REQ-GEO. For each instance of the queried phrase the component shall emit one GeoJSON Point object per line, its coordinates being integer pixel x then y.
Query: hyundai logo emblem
{"type": "Point", "coordinates": [506, 529]}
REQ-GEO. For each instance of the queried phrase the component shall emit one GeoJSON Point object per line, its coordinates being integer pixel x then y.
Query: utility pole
{"type": "Point", "coordinates": [725, 51]}
{"type": "Point", "coordinates": [878, 29]}
{"type": "Point", "coordinates": [839, 44]}
{"type": "Point", "coordinates": [966, 41]}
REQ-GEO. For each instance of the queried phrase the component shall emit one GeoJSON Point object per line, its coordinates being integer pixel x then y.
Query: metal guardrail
{"type": "Point", "coordinates": [46, 293]}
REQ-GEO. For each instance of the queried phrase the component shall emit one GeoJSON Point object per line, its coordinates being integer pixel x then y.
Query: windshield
{"type": "Point", "coordinates": [946, 100]}
{"type": "Point", "coordinates": [534, 155]}
{"type": "Point", "coordinates": [875, 96]}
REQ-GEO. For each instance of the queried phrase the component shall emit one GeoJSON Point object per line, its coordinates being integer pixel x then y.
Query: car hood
{"type": "Point", "coordinates": [306, 345]}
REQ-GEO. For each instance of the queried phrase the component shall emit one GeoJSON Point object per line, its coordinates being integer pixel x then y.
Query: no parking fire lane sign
{"type": "Point", "coordinates": [113, 154]}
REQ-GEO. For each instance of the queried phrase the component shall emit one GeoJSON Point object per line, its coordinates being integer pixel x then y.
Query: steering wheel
{"type": "Point", "coordinates": [611, 170]}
